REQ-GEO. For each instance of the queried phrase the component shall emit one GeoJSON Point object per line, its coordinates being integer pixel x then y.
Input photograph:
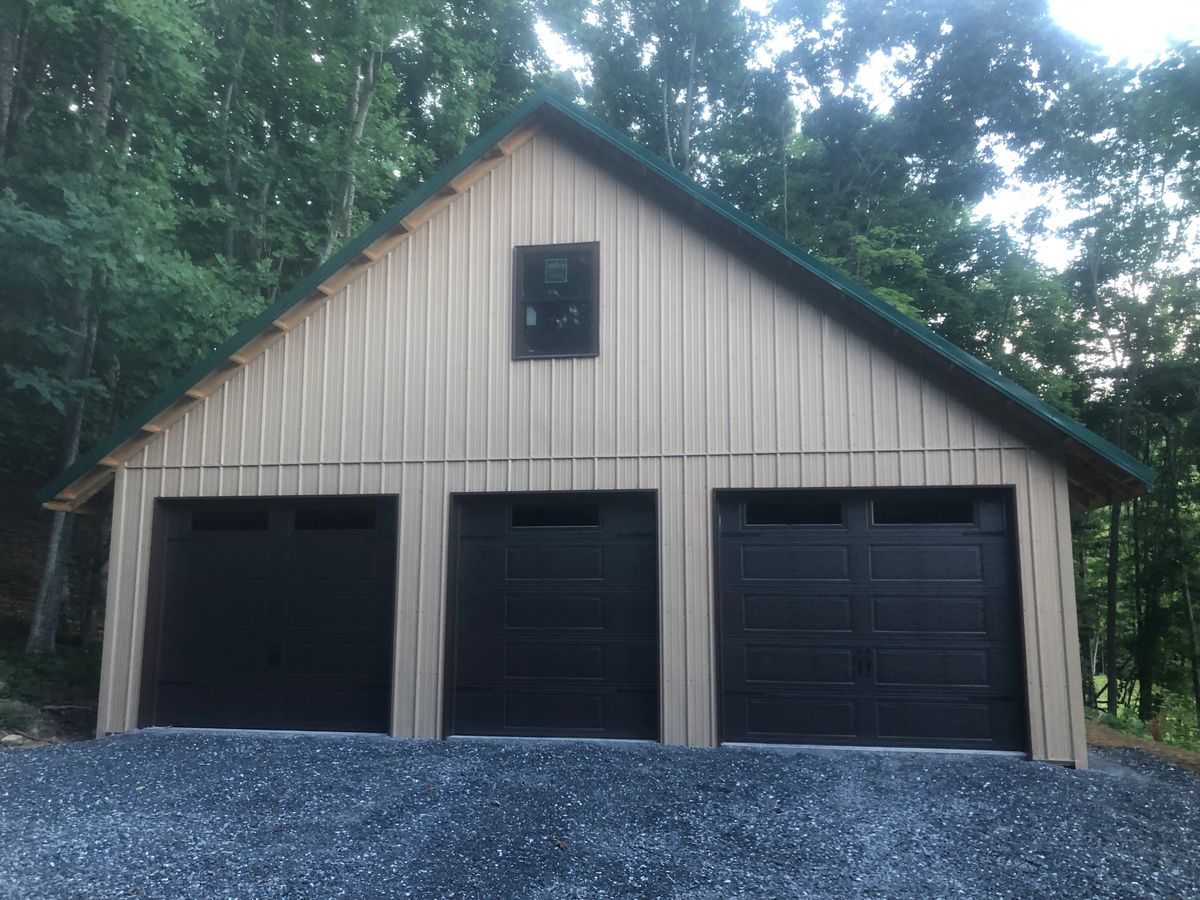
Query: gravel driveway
{"type": "Point", "coordinates": [179, 814]}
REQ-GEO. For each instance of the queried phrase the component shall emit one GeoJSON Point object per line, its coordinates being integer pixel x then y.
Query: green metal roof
{"type": "Point", "coordinates": [547, 99]}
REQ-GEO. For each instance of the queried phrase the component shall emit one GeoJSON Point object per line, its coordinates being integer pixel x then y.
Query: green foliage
{"type": "Point", "coordinates": [1178, 720]}
{"type": "Point", "coordinates": [217, 170]}
{"type": "Point", "coordinates": [15, 719]}
{"type": "Point", "coordinates": [40, 679]}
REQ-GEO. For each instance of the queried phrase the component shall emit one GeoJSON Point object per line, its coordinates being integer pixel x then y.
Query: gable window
{"type": "Point", "coordinates": [556, 301]}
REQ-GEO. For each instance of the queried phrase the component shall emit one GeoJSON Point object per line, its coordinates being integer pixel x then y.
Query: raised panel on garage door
{"type": "Point", "coordinates": [555, 616]}
{"type": "Point", "coordinates": [874, 618]}
{"type": "Point", "coordinates": [273, 613]}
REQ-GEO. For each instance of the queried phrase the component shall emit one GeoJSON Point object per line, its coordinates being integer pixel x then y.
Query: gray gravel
{"type": "Point", "coordinates": [179, 814]}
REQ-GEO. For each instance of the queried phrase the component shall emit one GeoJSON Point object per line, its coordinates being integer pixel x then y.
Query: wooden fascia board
{"type": "Point", "coordinates": [82, 489]}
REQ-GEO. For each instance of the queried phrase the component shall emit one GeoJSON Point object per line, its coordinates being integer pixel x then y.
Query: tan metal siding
{"type": "Point", "coordinates": [710, 375]}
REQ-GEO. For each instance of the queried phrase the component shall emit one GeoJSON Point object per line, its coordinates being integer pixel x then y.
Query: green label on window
{"type": "Point", "coordinates": [556, 271]}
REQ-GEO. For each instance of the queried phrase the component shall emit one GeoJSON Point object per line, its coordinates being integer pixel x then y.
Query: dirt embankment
{"type": "Point", "coordinates": [1100, 735]}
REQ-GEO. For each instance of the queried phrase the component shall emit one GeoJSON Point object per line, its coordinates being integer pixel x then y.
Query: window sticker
{"type": "Point", "coordinates": [530, 316]}
{"type": "Point", "coordinates": [556, 270]}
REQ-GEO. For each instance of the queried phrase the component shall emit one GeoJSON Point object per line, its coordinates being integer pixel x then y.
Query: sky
{"type": "Point", "coordinates": [1129, 31]}
{"type": "Point", "coordinates": [1135, 31]}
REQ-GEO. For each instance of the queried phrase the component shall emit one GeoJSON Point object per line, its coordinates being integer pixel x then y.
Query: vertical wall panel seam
{"type": "Point", "coordinates": [1067, 583]}
{"type": "Point", "coordinates": [386, 364]}
{"type": "Point", "coordinates": [1035, 607]}
{"type": "Point", "coordinates": [326, 326]}
{"type": "Point", "coordinates": [284, 357]}
{"type": "Point", "coordinates": [136, 633]}
{"type": "Point", "coordinates": [306, 330]}
{"type": "Point", "coordinates": [449, 378]}
{"type": "Point", "coordinates": [244, 381]}
{"type": "Point", "coordinates": [117, 555]}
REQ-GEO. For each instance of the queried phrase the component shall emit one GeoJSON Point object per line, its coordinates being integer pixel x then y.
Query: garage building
{"type": "Point", "coordinates": [567, 446]}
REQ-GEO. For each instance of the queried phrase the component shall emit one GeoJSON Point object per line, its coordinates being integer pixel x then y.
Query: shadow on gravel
{"type": "Point", "coordinates": [168, 814]}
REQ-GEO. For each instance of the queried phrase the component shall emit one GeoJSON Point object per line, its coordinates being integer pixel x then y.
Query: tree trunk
{"type": "Point", "coordinates": [1147, 661]}
{"type": "Point", "coordinates": [52, 588]}
{"type": "Point", "coordinates": [230, 162]}
{"type": "Point", "coordinates": [1192, 645]}
{"type": "Point", "coordinates": [358, 105]}
{"type": "Point", "coordinates": [92, 588]}
{"type": "Point", "coordinates": [1087, 660]}
{"type": "Point", "coordinates": [10, 38]}
{"type": "Point", "coordinates": [1145, 607]}
{"type": "Point", "coordinates": [1110, 636]}
{"type": "Point", "coordinates": [666, 112]}
{"type": "Point", "coordinates": [84, 326]}
{"type": "Point", "coordinates": [689, 110]}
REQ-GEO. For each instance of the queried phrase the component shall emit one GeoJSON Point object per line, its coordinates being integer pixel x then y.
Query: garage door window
{"type": "Point", "coordinates": [933, 511]}
{"type": "Point", "coordinates": [534, 515]}
{"type": "Point", "coordinates": [793, 512]}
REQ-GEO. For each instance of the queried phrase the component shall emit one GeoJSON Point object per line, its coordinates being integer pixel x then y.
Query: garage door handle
{"type": "Point", "coordinates": [864, 663]}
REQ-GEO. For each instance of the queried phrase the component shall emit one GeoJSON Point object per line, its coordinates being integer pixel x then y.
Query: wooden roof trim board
{"type": "Point", "coordinates": [76, 485]}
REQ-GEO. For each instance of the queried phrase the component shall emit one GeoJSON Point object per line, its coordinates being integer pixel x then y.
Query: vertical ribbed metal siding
{"type": "Point", "coordinates": [710, 375]}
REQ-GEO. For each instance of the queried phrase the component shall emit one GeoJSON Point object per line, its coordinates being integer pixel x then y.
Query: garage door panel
{"type": "Point", "coordinates": [326, 562]}
{"type": "Point", "coordinates": [240, 706]}
{"type": "Point", "coordinates": [536, 713]}
{"type": "Point", "coordinates": [555, 619]}
{"type": "Point", "coordinates": [565, 563]}
{"type": "Point", "coordinates": [352, 708]}
{"type": "Point", "coordinates": [214, 654]}
{"type": "Point", "coordinates": [926, 610]}
{"type": "Point", "coordinates": [305, 643]}
{"type": "Point", "coordinates": [796, 719]}
{"type": "Point", "coordinates": [335, 659]}
{"type": "Point", "coordinates": [238, 605]}
{"type": "Point", "coordinates": [929, 615]}
{"type": "Point", "coordinates": [790, 611]}
{"type": "Point", "coordinates": [557, 612]}
{"type": "Point", "coordinates": [938, 722]}
{"type": "Point", "coordinates": [901, 617]}
{"type": "Point", "coordinates": [314, 610]}
{"type": "Point", "coordinates": [933, 666]}
{"type": "Point", "coordinates": [225, 562]}
{"type": "Point", "coordinates": [542, 612]}
{"type": "Point", "coordinates": [774, 562]}
{"type": "Point", "coordinates": [520, 565]}
{"type": "Point", "coordinates": [935, 563]}
{"type": "Point", "coordinates": [758, 665]}
{"type": "Point", "coordinates": [485, 661]}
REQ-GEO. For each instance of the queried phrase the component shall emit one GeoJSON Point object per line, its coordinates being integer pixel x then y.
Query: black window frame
{"type": "Point", "coordinates": [518, 298]}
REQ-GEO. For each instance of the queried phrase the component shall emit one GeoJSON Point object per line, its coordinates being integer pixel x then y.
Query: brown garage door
{"type": "Point", "coordinates": [884, 619]}
{"type": "Point", "coordinates": [272, 614]}
{"type": "Point", "coordinates": [555, 616]}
